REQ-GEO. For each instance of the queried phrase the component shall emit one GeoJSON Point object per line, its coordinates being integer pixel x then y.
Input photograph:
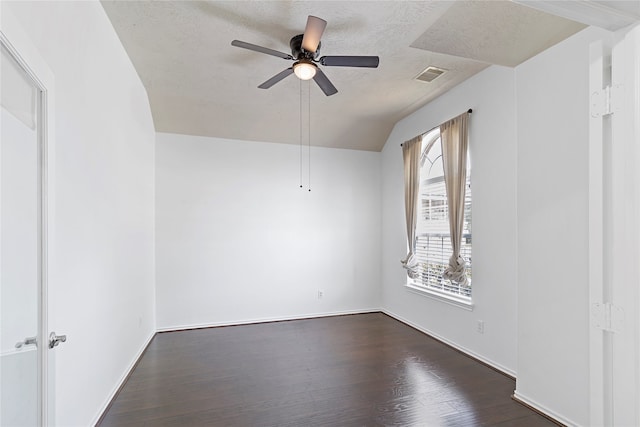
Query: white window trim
{"type": "Point", "coordinates": [416, 286]}
{"type": "Point", "coordinates": [460, 302]}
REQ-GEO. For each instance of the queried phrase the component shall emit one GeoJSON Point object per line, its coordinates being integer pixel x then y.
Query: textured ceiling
{"type": "Point", "coordinates": [609, 14]}
{"type": "Point", "coordinates": [198, 84]}
{"type": "Point", "coordinates": [516, 33]}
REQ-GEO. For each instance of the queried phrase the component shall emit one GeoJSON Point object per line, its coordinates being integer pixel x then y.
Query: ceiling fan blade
{"type": "Point", "coordinates": [275, 79]}
{"type": "Point", "coordinates": [323, 81]}
{"type": "Point", "coordinates": [313, 33]}
{"type": "Point", "coordinates": [350, 61]}
{"type": "Point", "coordinates": [256, 48]}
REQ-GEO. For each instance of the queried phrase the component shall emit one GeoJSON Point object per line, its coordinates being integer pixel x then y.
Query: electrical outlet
{"type": "Point", "coordinates": [320, 294]}
{"type": "Point", "coordinates": [139, 321]}
{"type": "Point", "coordinates": [480, 326]}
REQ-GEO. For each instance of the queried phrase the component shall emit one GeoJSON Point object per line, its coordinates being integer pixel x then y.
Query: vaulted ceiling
{"type": "Point", "coordinates": [198, 84]}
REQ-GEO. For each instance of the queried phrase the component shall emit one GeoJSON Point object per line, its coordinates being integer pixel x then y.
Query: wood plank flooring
{"type": "Point", "coordinates": [358, 370]}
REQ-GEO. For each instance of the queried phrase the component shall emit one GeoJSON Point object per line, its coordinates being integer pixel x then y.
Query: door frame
{"type": "Point", "coordinates": [20, 47]}
{"type": "Point", "coordinates": [614, 203]}
{"type": "Point", "coordinates": [625, 208]}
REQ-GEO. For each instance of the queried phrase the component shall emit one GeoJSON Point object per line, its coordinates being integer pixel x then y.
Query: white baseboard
{"type": "Point", "coordinates": [264, 320]}
{"type": "Point", "coordinates": [123, 378]}
{"type": "Point", "coordinates": [543, 409]}
{"type": "Point", "coordinates": [493, 364]}
{"type": "Point", "coordinates": [516, 396]}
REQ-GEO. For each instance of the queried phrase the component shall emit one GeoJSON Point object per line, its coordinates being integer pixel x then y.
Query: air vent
{"type": "Point", "coordinates": [430, 74]}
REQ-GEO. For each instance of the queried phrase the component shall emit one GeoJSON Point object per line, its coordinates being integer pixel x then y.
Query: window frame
{"type": "Point", "coordinates": [417, 285]}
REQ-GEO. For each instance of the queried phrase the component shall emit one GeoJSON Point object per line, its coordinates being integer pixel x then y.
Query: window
{"type": "Point", "coordinates": [433, 242]}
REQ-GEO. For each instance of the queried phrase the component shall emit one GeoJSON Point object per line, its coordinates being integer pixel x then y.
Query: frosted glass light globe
{"type": "Point", "coordinates": [304, 70]}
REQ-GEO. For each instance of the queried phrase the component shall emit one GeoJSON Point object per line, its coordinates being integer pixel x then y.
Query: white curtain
{"type": "Point", "coordinates": [411, 155]}
{"type": "Point", "coordinates": [455, 143]}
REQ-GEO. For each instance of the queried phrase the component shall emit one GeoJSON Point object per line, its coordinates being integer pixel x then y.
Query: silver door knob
{"type": "Point", "coordinates": [54, 339]}
{"type": "Point", "coordinates": [27, 341]}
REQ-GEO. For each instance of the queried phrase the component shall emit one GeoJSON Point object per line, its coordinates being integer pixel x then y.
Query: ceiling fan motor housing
{"type": "Point", "coordinates": [298, 52]}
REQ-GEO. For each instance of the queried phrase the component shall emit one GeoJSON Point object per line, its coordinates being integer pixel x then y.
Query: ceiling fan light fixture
{"type": "Point", "coordinates": [305, 70]}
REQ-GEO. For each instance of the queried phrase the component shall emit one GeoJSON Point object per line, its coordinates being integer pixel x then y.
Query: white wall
{"type": "Point", "coordinates": [492, 133]}
{"type": "Point", "coordinates": [102, 265]}
{"type": "Point", "coordinates": [553, 290]}
{"type": "Point", "coordinates": [239, 241]}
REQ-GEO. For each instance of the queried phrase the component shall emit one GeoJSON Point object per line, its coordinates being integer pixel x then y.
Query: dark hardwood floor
{"type": "Point", "coordinates": [359, 370]}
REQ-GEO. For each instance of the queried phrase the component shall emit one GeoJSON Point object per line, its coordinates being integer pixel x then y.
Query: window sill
{"type": "Point", "coordinates": [463, 303]}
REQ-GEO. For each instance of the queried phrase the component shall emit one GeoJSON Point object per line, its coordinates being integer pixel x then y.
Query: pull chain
{"type": "Point", "coordinates": [309, 128]}
{"type": "Point", "coordinates": [300, 133]}
{"type": "Point", "coordinates": [308, 133]}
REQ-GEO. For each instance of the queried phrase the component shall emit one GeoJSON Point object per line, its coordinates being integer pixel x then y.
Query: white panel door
{"type": "Point", "coordinates": [21, 338]}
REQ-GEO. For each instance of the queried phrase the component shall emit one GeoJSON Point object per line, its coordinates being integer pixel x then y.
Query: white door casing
{"type": "Point", "coordinates": [625, 215]}
{"type": "Point", "coordinates": [614, 229]}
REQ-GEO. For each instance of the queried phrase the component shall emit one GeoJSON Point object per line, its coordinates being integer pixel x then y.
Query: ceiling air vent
{"type": "Point", "coordinates": [430, 74]}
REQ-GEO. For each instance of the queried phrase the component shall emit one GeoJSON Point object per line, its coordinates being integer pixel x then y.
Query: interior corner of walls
{"type": "Point", "coordinates": [495, 365]}
{"type": "Point", "coordinates": [122, 49]}
{"type": "Point", "coordinates": [123, 378]}
{"type": "Point", "coordinates": [519, 397]}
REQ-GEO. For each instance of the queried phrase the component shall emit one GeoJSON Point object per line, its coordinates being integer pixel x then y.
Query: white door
{"type": "Point", "coordinates": [21, 338]}
{"type": "Point", "coordinates": [26, 136]}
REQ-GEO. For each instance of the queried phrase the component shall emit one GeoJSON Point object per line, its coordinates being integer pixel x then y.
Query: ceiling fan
{"type": "Point", "coordinates": [305, 50]}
